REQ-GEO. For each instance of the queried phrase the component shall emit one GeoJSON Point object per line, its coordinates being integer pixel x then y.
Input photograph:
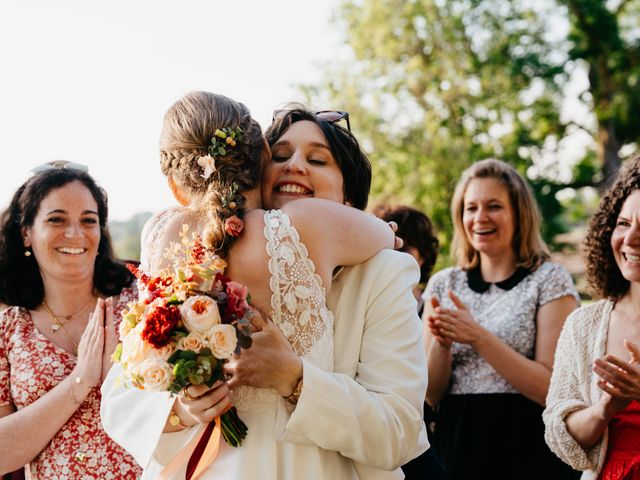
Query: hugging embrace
{"type": "Point", "coordinates": [333, 384]}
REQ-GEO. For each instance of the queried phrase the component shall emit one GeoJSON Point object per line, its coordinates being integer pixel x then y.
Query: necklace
{"type": "Point", "coordinates": [56, 324]}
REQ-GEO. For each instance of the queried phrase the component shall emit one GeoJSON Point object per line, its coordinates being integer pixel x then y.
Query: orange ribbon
{"type": "Point", "coordinates": [208, 455]}
{"type": "Point", "coordinates": [210, 451]}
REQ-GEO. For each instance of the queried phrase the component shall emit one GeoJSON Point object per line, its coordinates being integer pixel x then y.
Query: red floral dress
{"type": "Point", "coordinates": [30, 366]}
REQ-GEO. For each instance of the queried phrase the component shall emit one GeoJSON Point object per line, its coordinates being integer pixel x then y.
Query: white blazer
{"type": "Point", "coordinates": [377, 389]}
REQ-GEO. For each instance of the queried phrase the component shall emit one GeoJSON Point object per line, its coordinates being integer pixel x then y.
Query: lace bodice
{"type": "Point", "coordinates": [151, 254]}
{"type": "Point", "coordinates": [298, 303]}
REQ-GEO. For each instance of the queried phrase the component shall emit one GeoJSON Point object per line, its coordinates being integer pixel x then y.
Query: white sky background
{"type": "Point", "coordinates": [89, 80]}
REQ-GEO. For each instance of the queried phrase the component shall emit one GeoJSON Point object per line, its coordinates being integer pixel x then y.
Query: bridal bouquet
{"type": "Point", "coordinates": [188, 321]}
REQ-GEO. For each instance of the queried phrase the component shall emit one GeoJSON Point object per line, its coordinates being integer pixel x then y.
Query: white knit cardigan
{"type": "Point", "coordinates": [574, 385]}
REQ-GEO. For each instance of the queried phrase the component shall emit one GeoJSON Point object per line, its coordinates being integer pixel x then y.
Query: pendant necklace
{"type": "Point", "coordinates": [56, 324]}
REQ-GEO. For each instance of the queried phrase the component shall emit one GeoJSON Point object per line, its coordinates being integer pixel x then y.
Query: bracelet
{"type": "Point", "coordinates": [295, 395]}
{"type": "Point", "coordinates": [79, 381]}
{"type": "Point", "coordinates": [73, 397]}
{"type": "Point", "coordinates": [174, 419]}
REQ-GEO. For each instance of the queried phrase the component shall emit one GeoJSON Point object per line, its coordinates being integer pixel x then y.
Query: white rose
{"type": "Point", "coordinates": [200, 313]}
{"type": "Point", "coordinates": [194, 341]}
{"type": "Point", "coordinates": [134, 349]}
{"type": "Point", "coordinates": [222, 340]}
{"type": "Point", "coordinates": [153, 374]}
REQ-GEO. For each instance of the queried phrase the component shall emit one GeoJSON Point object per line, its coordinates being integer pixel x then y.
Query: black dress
{"type": "Point", "coordinates": [484, 428]}
{"type": "Point", "coordinates": [495, 436]}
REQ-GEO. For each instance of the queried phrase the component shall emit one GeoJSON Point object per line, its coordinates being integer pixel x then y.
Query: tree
{"type": "Point", "coordinates": [125, 236]}
{"type": "Point", "coordinates": [433, 85]}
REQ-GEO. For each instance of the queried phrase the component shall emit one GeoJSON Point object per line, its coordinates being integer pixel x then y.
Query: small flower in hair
{"type": "Point", "coordinates": [208, 165]}
{"type": "Point", "coordinates": [233, 226]}
{"type": "Point", "coordinates": [223, 139]}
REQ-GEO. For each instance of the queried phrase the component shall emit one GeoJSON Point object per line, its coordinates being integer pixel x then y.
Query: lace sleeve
{"type": "Point", "coordinates": [298, 297]}
{"type": "Point", "coordinates": [556, 283]}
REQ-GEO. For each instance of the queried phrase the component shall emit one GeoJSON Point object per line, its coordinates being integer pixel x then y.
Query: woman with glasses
{"type": "Point", "coordinates": [56, 268]}
{"type": "Point", "coordinates": [377, 330]}
{"type": "Point", "coordinates": [305, 419]}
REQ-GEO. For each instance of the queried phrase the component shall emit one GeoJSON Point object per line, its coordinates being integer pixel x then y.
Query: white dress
{"type": "Point", "coordinates": [299, 310]}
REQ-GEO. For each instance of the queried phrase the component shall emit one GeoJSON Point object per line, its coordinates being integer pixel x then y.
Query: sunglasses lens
{"type": "Point", "coordinates": [60, 164]}
{"type": "Point", "coordinates": [277, 114]}
{"type": "Point", "coordinates": [331, 116]}
{"type": "Point", "coordinates": [334, 116]}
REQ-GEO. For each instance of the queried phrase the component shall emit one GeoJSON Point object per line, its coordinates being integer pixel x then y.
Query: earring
{"type": "Point", "coordinates": [27, 252]}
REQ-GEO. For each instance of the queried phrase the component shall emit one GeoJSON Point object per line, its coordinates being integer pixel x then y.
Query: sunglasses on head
{"type": "Point", "coordinates": [60, 165]}
{"type": "Point", "coordinates": [331, 116]}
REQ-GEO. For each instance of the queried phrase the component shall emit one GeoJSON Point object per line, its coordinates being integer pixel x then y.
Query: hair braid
{"type": "Point", "coordinates": [188, 128]}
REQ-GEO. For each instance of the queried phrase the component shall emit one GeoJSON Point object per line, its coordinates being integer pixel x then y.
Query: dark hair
{"type": "Point", "coordinates": [603, 273]}
{"type": "Point", "coordinates": [416, 230]}
{"type": "Point", "coordinates": [352, 161]}
{"type": "Point", "coordinates": [20, 280]}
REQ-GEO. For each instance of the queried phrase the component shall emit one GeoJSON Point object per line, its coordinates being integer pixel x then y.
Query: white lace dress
{"type": "Point", "coordinates": [299, 309]}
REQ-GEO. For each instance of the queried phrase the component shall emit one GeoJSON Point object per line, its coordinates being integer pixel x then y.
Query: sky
{"type": "Point", "coordinates": [89, 80]}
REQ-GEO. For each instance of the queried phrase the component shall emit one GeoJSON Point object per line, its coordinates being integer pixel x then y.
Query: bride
{"type": "Point", "coordinates": [286, 258]}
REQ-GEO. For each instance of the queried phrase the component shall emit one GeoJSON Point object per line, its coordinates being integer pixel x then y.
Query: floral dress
{"type": "Point", "coordinates": [30, 366]}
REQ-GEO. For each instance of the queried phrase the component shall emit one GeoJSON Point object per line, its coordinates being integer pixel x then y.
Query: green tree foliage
{"type": "Point", "coordinates": [125, 236]}
{"type": "Point", "coordinates": [434, 85]}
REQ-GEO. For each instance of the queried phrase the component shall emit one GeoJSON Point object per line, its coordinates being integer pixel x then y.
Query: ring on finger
{"type": "Point", "coordinates": [187, 395]}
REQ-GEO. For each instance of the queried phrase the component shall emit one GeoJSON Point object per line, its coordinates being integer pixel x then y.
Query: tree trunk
{"type": "Point", "coordinates": [608, 148]}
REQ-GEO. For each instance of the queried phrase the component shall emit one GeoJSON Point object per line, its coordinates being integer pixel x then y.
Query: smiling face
{"type": "Point", "coordinates": [65, 233]}
{"type": "Point", "coordinates": [488, 216]}
{"type": "Point", "coordinates": [625, 238]}
{"type": "Point", "coordinates": [301, 166]}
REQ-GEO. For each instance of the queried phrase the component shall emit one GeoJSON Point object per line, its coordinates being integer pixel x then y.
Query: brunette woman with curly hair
{"type": "Point", "coordinates": [593, 412]}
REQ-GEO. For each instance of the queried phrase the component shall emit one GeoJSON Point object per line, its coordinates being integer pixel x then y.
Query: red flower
{"type": "Point", "coordinates": [159, 325]}
{"type": "Point", "coordinates": [221, 279]}
{"type": "Point", "coordinates": [237, 301]}
{"type": "Point", "coordinates": [197, 252]}
{"type": "Point", "coordinates": [233, 226]}
{"type": "Point", "coordinates": [155, 286]}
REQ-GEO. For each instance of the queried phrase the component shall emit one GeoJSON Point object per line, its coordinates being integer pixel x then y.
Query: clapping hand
{"type": "Point", "coordinates": [91, 348]}
{"type": "Point", "coordinates": [619, 380]}
{"type": "Point", "coordinates": [437, 333]}
{"type": "Point", "coordinates": [110, 336]}
{"type": "Point", "coordinates": [456, 324]}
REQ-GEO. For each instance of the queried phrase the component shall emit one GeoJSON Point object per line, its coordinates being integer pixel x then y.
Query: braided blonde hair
{"type": "Point", "coordinates": [186, 135]}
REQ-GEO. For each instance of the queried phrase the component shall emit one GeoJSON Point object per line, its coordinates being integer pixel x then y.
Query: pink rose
{"type": "Point", "coordinates": [237, 303]}
{"type": "Point", "coordinates": [233, 226]}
